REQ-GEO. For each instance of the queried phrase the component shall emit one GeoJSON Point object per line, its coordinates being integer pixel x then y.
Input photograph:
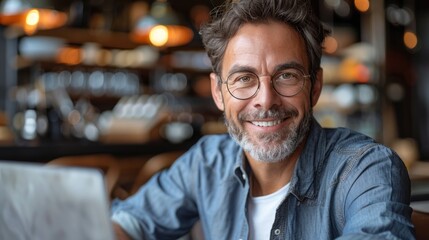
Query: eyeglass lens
{"type": "Point", "coordinates": [244, 85]}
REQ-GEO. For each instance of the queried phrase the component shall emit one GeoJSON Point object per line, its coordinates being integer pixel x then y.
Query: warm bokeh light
{"type": "Point", "coordinates": [158, 35]}
{"type": "Point", "coordinates": [362, 5]}
{"type": "Point", "coordinates": [410, 40]}
{"type": "Point", "coordinates": [363, 74]}
{"type": "Point", "coordinates": [69, 56]}
{"type": "Point", "coordinates": [352, 70]}
{"type": "Point", "coordinates": [51, 19]}
{"type": "Point", "coordinates": [164, 36]}
{"type": "Point", "coordinates": [179, 35]}
{"type": "Point", "coordinates": [330, 45]}
{"type": "Point", "coordinates": [32, 19]}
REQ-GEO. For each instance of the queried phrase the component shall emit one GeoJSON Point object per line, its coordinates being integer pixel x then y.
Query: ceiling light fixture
{"type": "Point", "coordinates": [30, 17]}
{"type": "Point", "coordinates": [161, 27]}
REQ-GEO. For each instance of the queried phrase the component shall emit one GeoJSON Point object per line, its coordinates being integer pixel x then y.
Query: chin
{"type": "Point", "coordinates": [269, 152]}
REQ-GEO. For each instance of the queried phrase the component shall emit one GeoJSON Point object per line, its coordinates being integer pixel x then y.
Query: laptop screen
{"type": "Point", "coordinates": [41, 202]}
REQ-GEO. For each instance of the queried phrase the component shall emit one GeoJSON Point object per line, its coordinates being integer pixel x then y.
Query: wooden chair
{"type": "Point", "coordinates": [421, 224]}
{"type": "Point", "coordinates": [103, 162]}
{"type": "Point", "coordinates": [153, 165]}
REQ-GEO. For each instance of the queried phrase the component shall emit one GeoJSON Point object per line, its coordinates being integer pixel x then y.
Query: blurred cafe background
{"type": "Point", "coordinates": [130, 79]}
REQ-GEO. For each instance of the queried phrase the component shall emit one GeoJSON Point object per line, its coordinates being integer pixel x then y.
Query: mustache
{"type": "Point", "coordinates": [278, 113]}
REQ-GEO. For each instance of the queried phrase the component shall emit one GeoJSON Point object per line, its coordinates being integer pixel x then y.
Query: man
{"type": "Point", "coordinates": [278, 174]}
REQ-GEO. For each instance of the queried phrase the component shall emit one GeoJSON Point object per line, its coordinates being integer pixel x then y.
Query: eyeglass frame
{"type": "Point", "coordinates": [302, 74]}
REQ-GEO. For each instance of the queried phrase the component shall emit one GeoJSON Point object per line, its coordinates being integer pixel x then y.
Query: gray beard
{"type": "Point", "coordinates": [274, 147]}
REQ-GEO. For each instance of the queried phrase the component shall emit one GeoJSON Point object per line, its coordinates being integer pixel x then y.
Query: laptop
{"type": "Point", "coordinates": [42, 202]}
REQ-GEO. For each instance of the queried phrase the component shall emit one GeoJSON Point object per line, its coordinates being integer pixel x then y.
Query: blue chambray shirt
{"type": "Point", "coordinates": [344, 186]}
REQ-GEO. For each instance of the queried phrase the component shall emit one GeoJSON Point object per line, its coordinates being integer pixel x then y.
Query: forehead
{"type": "Point", "coordinates": [264, 46]}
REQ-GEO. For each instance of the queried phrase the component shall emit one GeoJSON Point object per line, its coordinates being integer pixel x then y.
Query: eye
{"type": "Point", "coordinates": [289, 76]}
{"type": "Point", "coordinates": [243, 79]}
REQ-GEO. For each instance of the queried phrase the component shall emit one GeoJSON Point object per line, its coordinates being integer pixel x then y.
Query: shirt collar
{"type": "Point", "coordinates": [241, 167]}
{"type": "Point", "coordinates": [309, 164]}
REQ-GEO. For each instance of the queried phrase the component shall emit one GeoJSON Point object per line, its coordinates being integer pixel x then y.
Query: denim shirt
{"type": "Point", "coordinates": [344, 186]}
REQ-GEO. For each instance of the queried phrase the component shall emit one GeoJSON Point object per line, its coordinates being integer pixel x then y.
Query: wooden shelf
{"type": "Point", "coordinates": [79, 36]}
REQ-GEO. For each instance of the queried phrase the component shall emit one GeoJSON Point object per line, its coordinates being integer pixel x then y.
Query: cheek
{"type": "Point", "coordinates": [305, 99]}
{"type": "Point", "coordinates": [302, 104]}
{"type": "Point", "coordinates": [233, 107]}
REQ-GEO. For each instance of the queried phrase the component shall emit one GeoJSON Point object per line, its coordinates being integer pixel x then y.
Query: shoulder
{"type": "Point", "coordinates": [215, 150]}
{"type": "Point", "coordinates": [215, 141]}
{"type": "Point", "coordinates": [346, 139]}
{"type": "Point", "coordinates": [350, 140]}
{"type": "Point", "coordinates": [354, 145]}
{"type": "Point", "coordinates": [367, 178]}
{"type": "Point", "coordinates": [215, 144]}
{"type": "Point", "coordinates": [349, 153]}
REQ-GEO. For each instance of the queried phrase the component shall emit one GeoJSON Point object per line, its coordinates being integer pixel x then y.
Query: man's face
{"type": "Point", "coordinates": [268, 126]}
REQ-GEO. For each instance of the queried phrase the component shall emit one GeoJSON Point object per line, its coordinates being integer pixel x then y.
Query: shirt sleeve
{"type": "Point", "coordinates": [128, 223]}
{"type": "Point", "coordinates": [375, 197]}
{"type": "Point", "coordinates": [164, 208]}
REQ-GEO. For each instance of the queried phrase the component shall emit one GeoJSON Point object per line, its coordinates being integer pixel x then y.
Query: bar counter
{"type": "Point", "coordinates": [44, 152]}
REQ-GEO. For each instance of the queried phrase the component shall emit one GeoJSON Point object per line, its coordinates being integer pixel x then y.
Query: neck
{"type": "Point", "coordinates": [267, 178]}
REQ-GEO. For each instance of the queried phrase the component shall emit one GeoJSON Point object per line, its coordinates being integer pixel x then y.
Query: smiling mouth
{"type": "Point", "coordinates": [266, 123]}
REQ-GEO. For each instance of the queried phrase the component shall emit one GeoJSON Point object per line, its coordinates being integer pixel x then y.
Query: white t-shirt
{"type": "Point", "coordinates": [262, 212]}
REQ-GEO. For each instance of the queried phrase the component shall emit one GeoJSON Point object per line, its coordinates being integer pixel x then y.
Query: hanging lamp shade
{"type": "Point", "coordinates": [11, 11]}
{"type": "Point", "coordinates": [30, 17]}
{"type": "Point", "coordinates": [161, 27]}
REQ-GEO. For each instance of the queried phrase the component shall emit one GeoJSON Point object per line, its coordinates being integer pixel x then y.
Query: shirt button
{"type": "Point", "coordinates": [244, 176]}
{"type": "Point", "coordinates": [277, 232]}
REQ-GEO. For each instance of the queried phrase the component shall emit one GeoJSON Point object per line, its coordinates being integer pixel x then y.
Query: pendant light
{"type": "Point", "coordinates": [161, 27]}
{"type": "Point", "coordinates": [30, 16]}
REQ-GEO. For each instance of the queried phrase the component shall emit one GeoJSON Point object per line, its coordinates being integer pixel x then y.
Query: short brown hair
{"type": "Point", "coordinates": [229, 17]}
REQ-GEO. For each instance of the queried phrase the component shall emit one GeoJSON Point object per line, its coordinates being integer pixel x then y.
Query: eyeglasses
{"type": "Point", "coordinates": [244, 84]}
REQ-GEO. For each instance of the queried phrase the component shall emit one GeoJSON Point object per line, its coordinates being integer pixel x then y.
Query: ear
{"type": "Point", "coordinates": [216, 91]}
{"type": "Point", "coordinates": [317, 87]}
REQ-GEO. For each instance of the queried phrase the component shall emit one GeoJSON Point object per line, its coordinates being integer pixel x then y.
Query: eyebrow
{"type": "Point", "coordinates": [280, 67]}
{"type": "Point", "coordinates": [288, 65]}
{"type": "Point", "coordinates": [241, 68]}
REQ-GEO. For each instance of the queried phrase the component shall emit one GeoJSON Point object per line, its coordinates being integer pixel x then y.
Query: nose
{"type": "Point", "coordinates": [266, 97]}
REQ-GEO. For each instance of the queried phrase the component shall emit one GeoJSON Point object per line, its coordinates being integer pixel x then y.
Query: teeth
{"type": "Point", "coordinates": [267, 124]}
